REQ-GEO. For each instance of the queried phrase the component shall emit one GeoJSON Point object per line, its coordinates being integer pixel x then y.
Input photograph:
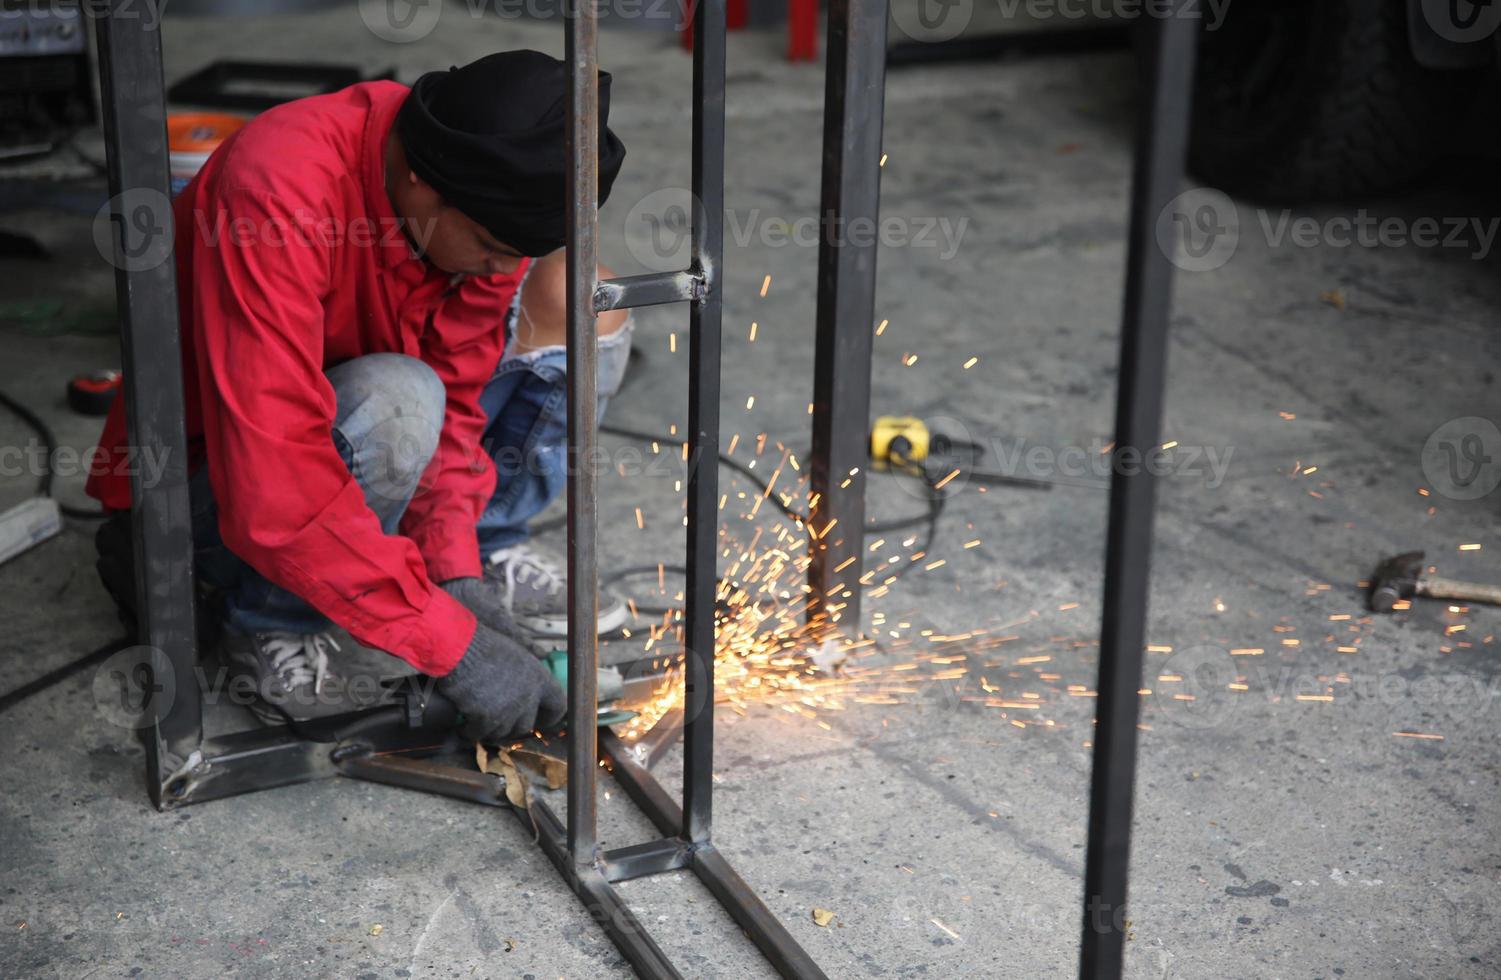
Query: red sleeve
{"type": "Point", "coordinates": [287, 503]}
{"type": "Point", "coordinates": [462, 344]}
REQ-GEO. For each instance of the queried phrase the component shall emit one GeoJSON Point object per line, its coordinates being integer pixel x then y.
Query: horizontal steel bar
{"type": "Point", "coordinates": [752, 915]}
{"type": "Point", "coordinates": [245, 762]}
{"type": "Point", "coordinates": [662, 737]}
{"type": "Point", "coordinates": [429, 777]}
{"type": "Point", "coordinates": [748, 911]}
{"type": "Point", "coordinates": [599, 897]}
{"type": "Point", "coordinates": [265, 758]}
{"type": "Point", "coordinates": [640, 785]}
{"type": "Point", "coordinates": [649, 858]}
{"type": "Point", "coordinates": [654, 289]}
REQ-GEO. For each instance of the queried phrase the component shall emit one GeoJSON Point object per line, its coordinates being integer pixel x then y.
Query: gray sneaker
{"type": "Point", "coordinates": [535, 592]}
{"type": "Point", "coordinates": [289, 677]}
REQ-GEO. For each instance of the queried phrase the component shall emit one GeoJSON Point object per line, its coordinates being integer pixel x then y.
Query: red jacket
{"type": "Point", "coordinates": [290, 260]}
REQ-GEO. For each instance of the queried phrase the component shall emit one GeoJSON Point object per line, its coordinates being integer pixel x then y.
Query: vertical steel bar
{"type": "Point", "coordinates": [854, 103]}
{"type": "Point", "coordinates": [583, 485]}
{"type": "Point", "coordinates": [135, 133]}
{"type": "Point", "coordinates": [1161, 140]}
{"type": "Point", "coordinates": [703, 418]}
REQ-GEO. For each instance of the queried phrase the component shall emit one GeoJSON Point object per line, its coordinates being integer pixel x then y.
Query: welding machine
{"type": "Point", "coordinates": [45, 78]}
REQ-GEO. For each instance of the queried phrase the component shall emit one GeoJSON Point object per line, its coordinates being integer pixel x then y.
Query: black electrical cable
{"type": "Point", "coordinates": [12, 698]}
{"type": "Point", "coordinates": [724, 460]}
{"type": "Point", "coordinates": [936, 500]}
{"type": "Point", "coordinates": [49, 443]}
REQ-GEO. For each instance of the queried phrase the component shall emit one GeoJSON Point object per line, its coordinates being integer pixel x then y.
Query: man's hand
{"type": "Point", "coordinates": [483, 599]}
{"type": "Point", "coordinates": [502, 689]}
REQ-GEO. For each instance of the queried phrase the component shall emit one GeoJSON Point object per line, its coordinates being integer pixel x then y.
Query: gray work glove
{"type": "Point", "coordinates": [502, 689]}
{"type": "Point", "coordinates": [483, 599]}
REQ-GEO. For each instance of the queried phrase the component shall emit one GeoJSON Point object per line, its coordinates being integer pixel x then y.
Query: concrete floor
{"type": "Point", "coordinates": [1277, 835]}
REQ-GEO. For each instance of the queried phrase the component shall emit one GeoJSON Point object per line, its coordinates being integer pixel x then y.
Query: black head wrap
{"type": "Point", "coordinates": [489, 137]}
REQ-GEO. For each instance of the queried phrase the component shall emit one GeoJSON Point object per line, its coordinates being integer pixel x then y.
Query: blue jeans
{"type": "Point", "coordinates": [389, 413]}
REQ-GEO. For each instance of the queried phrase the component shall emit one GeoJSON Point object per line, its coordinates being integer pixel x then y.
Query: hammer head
{"type": "Point", "coordinates": [1395, 578]}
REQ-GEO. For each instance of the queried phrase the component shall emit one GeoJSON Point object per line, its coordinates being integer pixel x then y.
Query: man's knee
{"type": "Point", "coordinates": [541, 320]}
{"type": "Point", "coordinates": [390, 414]}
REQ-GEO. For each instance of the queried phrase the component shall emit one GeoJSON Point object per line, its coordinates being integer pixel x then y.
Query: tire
{"type": "Point", "coordinates": [1301, 100]}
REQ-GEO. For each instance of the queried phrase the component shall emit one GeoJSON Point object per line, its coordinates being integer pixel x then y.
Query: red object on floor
{"type": "Point", "coordinates": [93, 393]}
{"type": "Point", "coordinates": [802, 30]}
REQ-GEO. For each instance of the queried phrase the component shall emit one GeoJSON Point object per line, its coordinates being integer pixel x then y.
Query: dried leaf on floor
{"type": "Point", "coordinates": [553, 769]}
{"type": "Point", "coordinates": [822, 917]}
{"type": "Point", "coordinates": [518, 793]}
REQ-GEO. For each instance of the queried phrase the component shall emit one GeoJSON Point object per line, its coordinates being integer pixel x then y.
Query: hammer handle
{"type": "Point", "coordinates": [1448, 588]}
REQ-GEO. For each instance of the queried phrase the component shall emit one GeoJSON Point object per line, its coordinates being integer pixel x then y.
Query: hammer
{"type": "Point", "coordinates": [1403, 576]}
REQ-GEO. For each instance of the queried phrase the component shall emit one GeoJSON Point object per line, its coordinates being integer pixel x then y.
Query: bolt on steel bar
{"type": "Point", "coordinates": [1161, 142]}
{"type": "Point", "coordinates": [135, 132]}
{"type": "Point", "coordinates": [854, 104]}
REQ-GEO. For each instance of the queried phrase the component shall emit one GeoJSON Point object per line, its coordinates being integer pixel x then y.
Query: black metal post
{"type": "Point", "coordinates": [1161, 141]}
{"type": "Point", "coordinates": [135, 133]}
{"type": "Point", "coordinates": [703, 420]}
{"type": "Point", "coordinates": [854, 103]}
{"type": "Point", "coordinates": [583, 432]}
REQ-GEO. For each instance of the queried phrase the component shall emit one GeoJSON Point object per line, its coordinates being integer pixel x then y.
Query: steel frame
{"type": "Point", "coordinates": [854, 104]}
{"type": "Point", "coordinates": [185, 766]}
{"type": "Point", "coordinates": [1161, 148]}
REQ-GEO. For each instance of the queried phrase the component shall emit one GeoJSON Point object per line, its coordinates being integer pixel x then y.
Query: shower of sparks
{"type": "Point", "coordinates": [782, 650]}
